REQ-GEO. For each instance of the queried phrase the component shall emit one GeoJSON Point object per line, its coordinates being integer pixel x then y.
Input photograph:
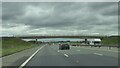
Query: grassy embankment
{"type": "Point", "coordinates": [13, 45]}
{"type": "Point", "coordinates": [110, 41]}
{"type": "Point", "coordinates": [105, 41]}
{"type": "Point", "coordinates": [0, 47]}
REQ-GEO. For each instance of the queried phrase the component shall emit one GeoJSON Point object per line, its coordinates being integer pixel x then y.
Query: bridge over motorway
{"type": "Point", "coordinates": [58, 36]}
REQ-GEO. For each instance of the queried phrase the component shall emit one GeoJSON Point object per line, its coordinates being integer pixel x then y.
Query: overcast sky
{"type": "Point", "coordinates": [61, 18]}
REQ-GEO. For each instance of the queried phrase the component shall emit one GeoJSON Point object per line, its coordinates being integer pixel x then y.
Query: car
{"type": "Point", "coordinates": [64, 46]}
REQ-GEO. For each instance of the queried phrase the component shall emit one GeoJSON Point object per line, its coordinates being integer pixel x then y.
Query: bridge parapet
{"type": "Point", "coordinates": [37, 37]}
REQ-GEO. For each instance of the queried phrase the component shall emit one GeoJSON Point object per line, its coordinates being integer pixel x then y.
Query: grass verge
{"type": "Point", "coordinates": [13, 45]}
{"type": "Point", "coordinates": [110, 41]}
{"type": "Point", "coordinates": [0, 47]}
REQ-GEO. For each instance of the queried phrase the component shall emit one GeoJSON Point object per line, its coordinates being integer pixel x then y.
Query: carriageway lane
{"type": "Point", "coordinates": [48, 57]}
{"type": "Point", "coordinates": [89, 50]}
{"type": "Point", "coordinates": [76, 56]}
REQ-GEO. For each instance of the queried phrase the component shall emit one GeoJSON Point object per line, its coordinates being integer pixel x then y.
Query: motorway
{"type": "Point", "coordinates": [49, 55]}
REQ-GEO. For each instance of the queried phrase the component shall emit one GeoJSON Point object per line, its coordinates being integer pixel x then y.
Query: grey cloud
{"type": "Point", "coordinates": [100, 5]}
{"type": "Point", "coordinates": [11, 10]}
{"type": "Point", "coordinates": [109, 8]}
{"type": "Point", "coordinates": [0, 8]}
{"type": "Point", "coordinates": [111, 12]}
{"type": "Point", "coordinates": [61, 16]}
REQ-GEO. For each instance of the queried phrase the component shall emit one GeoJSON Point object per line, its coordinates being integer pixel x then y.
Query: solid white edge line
{"type": "Point", "coordinates": [21, 66]}
{"type": "Point", "coordinates": [66, 55]}
{"type": "Point", "coordinates": [98, 54]}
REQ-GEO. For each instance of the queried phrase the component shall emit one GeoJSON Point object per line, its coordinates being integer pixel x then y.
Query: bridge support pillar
{"type": "Point", "coordinates": [36, 40]}
{"type": "Point", "coordinates": [86, 41]}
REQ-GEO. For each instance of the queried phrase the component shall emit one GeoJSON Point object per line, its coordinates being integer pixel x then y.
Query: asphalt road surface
{"type": "Point", "coordinates": [49, 55]}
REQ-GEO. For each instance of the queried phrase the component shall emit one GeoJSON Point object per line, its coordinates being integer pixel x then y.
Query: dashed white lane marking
{"type": "Point", "coordinates": [98, 54]}
{"type": "Point", "coordinates": [30, 57]}
{"type": "Point", "coordinates": [66, 55]}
